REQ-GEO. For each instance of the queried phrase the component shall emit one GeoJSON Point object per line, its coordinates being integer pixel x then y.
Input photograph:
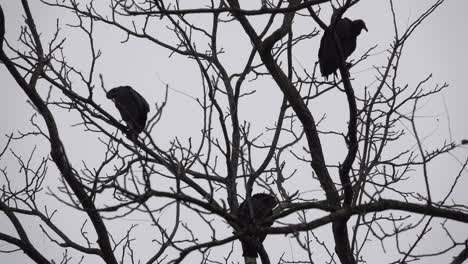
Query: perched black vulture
{"type": "Point", "coordinates": [2, 27]}
{"type": "Point", "coordinates": [347, 32]}
{"type": "Point", "coordinates": [132, 107]}
{"type": "Point", "coordinates": [262, 207]}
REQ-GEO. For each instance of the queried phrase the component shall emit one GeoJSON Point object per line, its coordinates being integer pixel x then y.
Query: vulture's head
{"type": "Point", "coordinates": [118, 92]}
{"type": "Point", "coordinates": [358, 26]}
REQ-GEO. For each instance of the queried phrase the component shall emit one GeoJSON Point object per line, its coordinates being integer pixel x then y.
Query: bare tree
{"type": "Point", "coordinates": [185, 193]}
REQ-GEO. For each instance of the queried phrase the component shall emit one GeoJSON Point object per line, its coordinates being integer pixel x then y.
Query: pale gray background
{"type": "Point", "coordinates": [438, 47]}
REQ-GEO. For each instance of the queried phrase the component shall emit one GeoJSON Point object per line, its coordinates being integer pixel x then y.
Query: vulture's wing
{"type": "Point", "coordinates": [140, 100]}
{"type": "Point", "coordinates": [344, 31]}
{"type": "Point", "coordinates": [328, 58]}
{"type": "Point", "coordinates": [140, 109]}
{"type": "Point", "coordinates": [249, 247]}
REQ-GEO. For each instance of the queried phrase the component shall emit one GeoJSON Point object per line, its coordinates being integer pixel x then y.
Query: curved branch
{"type": "Point", "coordinates": [23, 243]}
{"type": "Point", "coordinates": [60, 157]}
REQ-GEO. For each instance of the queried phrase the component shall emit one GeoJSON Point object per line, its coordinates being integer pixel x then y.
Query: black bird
{"type": "Point", "coordinates": [132, 107]}
{"type": "Point", "coordinates": [347, 32]}
{"type": "Point", "coordinates": [262, 207]}
{"type": "Point", "coordinates": [2, 27]}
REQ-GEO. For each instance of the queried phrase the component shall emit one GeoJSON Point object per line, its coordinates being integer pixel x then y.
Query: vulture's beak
{"type": "Point", "coordinates": [365, 28]}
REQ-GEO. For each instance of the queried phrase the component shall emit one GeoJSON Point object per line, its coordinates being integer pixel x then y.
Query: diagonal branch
{"type": "Point", "coordinates": [23, 243]}
{"type": "Point", "coordinates": [58, 150]}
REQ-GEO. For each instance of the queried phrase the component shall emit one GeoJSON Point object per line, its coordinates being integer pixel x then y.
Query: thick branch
{"type": "Point", "coordinates": [61, 160]}
{"type": "Point", "coordinates": [294, 98]}
{"type": "Point", "coordinates": [460, 259]}
{"type": "Point", "coordinates": [23, 243]}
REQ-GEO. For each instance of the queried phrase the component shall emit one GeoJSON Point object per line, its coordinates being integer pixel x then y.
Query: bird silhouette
{"type": "Point", "coordinates": [347, 32]}
{"type": "Point", "coordinates": [132, 107]}
{"type": "Point", "coordinates": [262, 205]}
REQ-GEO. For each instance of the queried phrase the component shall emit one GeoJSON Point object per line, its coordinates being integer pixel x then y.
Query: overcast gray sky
{"type": "Point", "coordinates": [438, 47]}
